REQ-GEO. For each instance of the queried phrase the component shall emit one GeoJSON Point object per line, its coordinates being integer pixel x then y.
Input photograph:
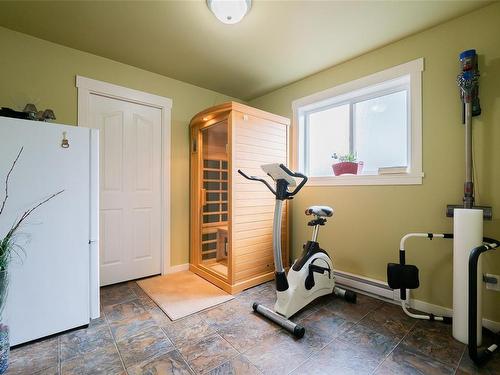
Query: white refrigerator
{"type": "Point", "coordinates": [54, 284]}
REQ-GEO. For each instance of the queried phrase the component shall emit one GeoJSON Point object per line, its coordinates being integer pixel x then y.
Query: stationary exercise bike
{"type": "Point", "coordinates": [311, 276]}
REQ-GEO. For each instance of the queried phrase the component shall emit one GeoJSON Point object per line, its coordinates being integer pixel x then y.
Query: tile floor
{"type": "Point", "coordinates": [134, 336]}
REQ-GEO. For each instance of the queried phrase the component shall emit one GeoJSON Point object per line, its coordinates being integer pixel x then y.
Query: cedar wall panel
{"type": "Point", "coordinates": [256, 141]}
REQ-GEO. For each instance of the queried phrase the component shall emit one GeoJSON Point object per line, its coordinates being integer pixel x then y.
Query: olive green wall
{"type": "Point", "coordinates": [36, 71]}
{"type": "Point", "coordinates": [369, 221]}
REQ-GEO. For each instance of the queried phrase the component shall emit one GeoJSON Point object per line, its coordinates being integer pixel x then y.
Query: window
{"type": "Point", "coordinates": [377, 119]}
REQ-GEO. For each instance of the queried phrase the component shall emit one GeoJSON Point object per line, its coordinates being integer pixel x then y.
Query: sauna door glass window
{"type": "Point", "coordinates": [214, 199]}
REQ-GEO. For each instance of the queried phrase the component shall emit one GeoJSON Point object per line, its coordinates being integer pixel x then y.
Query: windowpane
{"type": "Point", "coordinates": [380, 131]}
{"type": "Point", "coordinates": [371, 117]}
{"type": "Point", "coordinates": [327, 133]}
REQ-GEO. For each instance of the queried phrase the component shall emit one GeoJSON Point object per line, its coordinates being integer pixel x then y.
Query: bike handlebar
{"type": "Point", "coordinates": [296, 175]}
{"type": "Point", "coordinates": [288, 172]}
{"type": "Point", "coordinates": [253, 178]}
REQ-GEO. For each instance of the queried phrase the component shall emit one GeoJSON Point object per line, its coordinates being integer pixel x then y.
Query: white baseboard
{"type": "Point", "coordinates": [381, 290]}
{"type": "Point", "coordinates": [430, 308]}
{"type": "Point", "coordinates": [491, 325]}
{"type": "Point", "coordinates": [178, 268]}
{"type": "Point", "coordinates": [445, 311]}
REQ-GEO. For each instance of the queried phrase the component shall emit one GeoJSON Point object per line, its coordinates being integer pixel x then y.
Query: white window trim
{"type": "Point", "coordinates": [412, 69]}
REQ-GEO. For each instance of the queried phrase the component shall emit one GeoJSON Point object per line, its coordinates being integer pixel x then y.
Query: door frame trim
{"type": "Point", "coordinates": [87, 87]}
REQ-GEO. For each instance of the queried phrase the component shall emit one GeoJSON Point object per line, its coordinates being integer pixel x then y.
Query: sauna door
{"type": "Point", "coordinates": [214, 246]}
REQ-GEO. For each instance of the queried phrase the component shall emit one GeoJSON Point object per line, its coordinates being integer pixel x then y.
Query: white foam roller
{"type": "Point", "coordinates": [467, 234]}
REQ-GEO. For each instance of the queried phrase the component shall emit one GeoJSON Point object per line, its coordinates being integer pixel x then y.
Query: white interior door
{"type": "Point", "coordinates": [130, 186]}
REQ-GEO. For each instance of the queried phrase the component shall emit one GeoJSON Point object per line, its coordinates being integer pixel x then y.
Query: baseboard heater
{"type": "Point", "coordinates": [365, 285]}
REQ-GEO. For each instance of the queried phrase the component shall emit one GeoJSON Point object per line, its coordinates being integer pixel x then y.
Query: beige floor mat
{"type": "Point", "coordinates": [183, 293]}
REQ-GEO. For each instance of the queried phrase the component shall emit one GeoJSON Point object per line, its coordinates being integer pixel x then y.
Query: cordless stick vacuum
{"type": "Point", "coordinates": [468, 83]}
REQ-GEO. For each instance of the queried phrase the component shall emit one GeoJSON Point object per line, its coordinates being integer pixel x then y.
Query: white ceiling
{"type": "Point", "coordinates": [277, 43]}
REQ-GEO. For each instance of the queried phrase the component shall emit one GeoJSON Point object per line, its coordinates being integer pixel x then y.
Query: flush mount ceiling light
{"type": "Point", "coordinates": [229, 11]}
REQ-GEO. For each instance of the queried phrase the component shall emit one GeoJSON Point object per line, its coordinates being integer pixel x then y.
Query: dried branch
{"type": "Point", "coordinates": [7, 244]}
{"type": "Point", "coordinates": [7, 180]}
{"type": "Point", "coordinates": [27, 213]}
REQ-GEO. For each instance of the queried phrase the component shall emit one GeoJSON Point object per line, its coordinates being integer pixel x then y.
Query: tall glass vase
{"type": "Point", "coordinates": [4, 328]}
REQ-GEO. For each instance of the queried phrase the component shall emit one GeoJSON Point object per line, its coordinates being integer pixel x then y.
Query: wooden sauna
{"type": "Point", "coordinates": [231, 218]}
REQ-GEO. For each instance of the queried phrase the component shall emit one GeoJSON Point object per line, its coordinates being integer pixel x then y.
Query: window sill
{"type": "Point", "coordinates": [352, 180]}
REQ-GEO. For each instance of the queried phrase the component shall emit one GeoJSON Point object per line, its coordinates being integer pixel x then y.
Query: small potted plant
{"type": "Point", "coordinates": [346, 164]}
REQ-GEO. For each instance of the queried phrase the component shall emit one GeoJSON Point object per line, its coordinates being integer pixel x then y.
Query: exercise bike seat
{"type": "Point", "coordinates": [320, 211]}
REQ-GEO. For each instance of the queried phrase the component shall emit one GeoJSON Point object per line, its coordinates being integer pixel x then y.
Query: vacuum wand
{"type": "Point", "coordinates": [469, 184]}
